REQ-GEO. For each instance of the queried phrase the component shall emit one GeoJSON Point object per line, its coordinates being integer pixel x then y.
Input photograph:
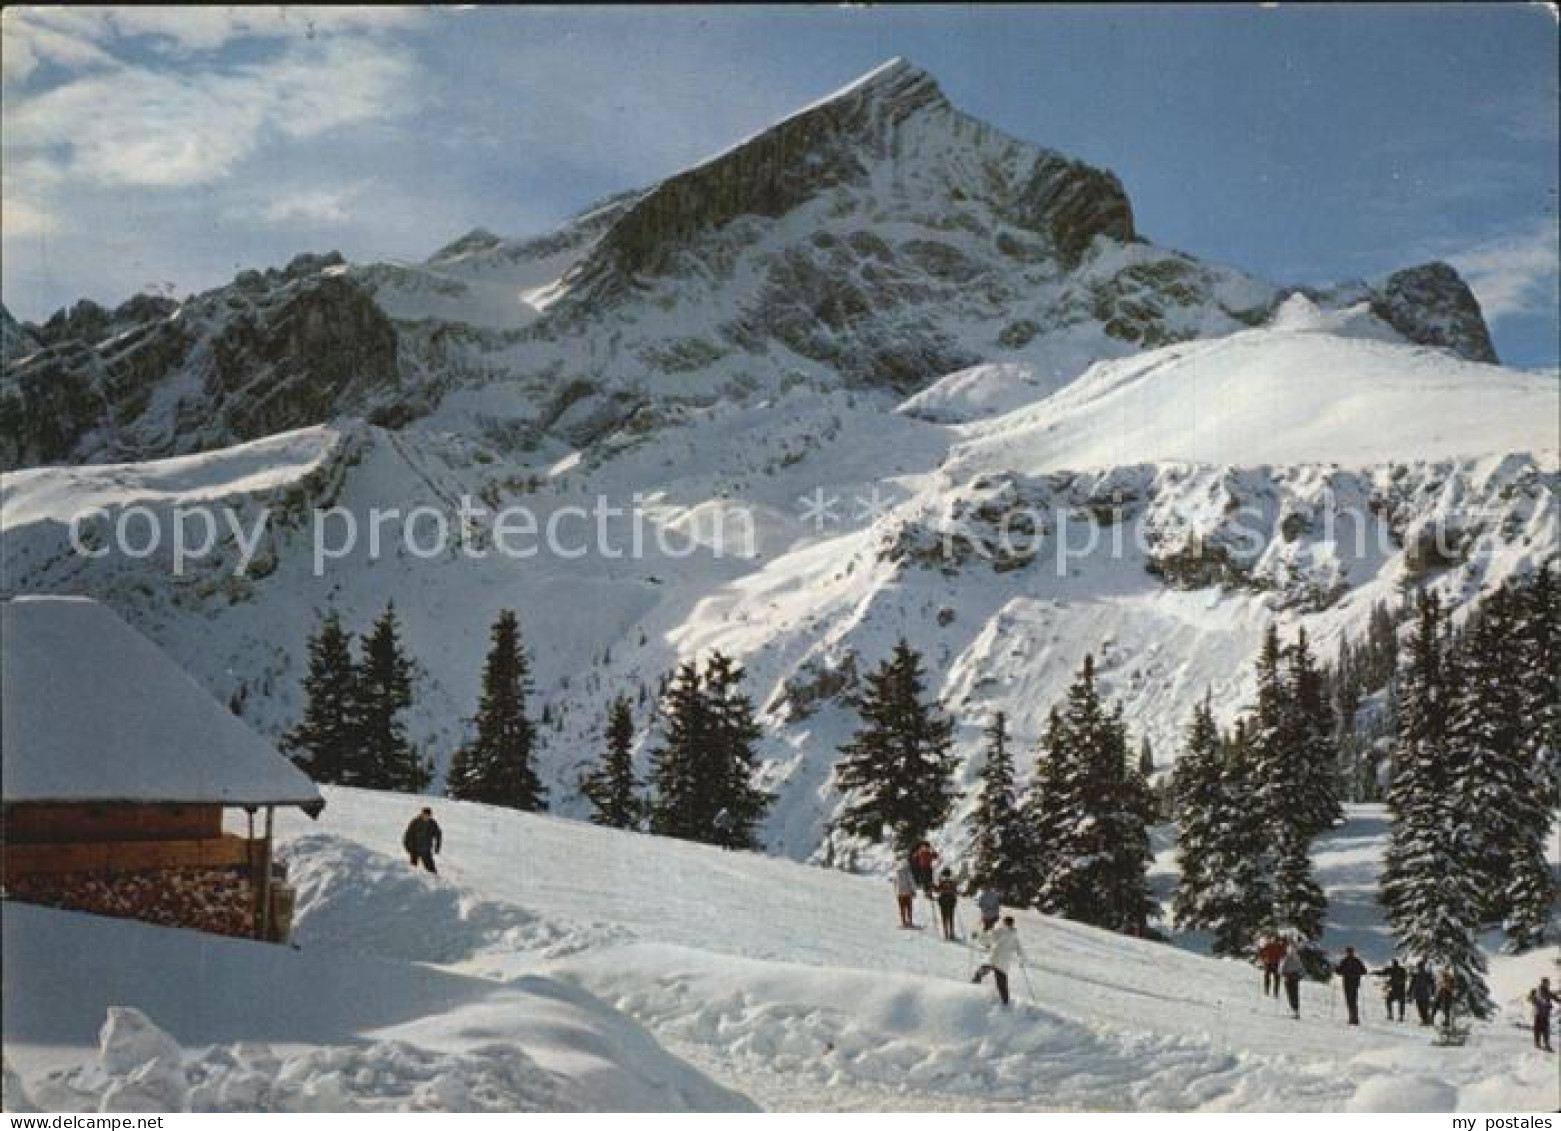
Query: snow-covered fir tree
{"type": "Point", "coordinates": [1240, 896]}
{"type": "Point", "coordinates": [611, 788]}
{"type": "Point", "coordinates": [676, 806]}
{"type": "Point", "coordinates": [1532, 895]}
{"type": "Point", "coordinates": [702, 773]}
{"type": "Point", "coordinates": [498, 767]}
{"type": "Point", "coordinates": [1299, 906]}
{"type": "Point", "coordinates": [1000, 846]}
{"type": "Point", "coordinates": [325, 741]}
{"type": "Point", "coordinates": [1428, 883]}
{"type": "Point", "coordinates": [896, 771]}
{"type": "Point", "coordinates": [1040, 807]}
{"type": "Point", "coordinates": [1093, 807]}
{"type": "Point", "coordinates": [1498, 768]}
{"type": "Point", "coordinates": [734, 734]}
{"type": "Point", "coordinates": [385, 757]}
{"type": "Point", "coordinates": [1311, 749]}
{"type": "Point", "coordinates": [1200, 810]}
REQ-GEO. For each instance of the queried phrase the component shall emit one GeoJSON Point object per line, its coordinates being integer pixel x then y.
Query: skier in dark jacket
{"type": "Point", "coordinates": [1422, 988]}
{"type": "Point", "coordinates": [1542, 997]}
{"type": "Point", "coordinates": [1352, 970]}
{"type": "Point", "coordinates": [1394, 986]}
{"type": "Point", "coordinates": [422, 839]}
{"type": "Point", "coordinates": [948, 900]}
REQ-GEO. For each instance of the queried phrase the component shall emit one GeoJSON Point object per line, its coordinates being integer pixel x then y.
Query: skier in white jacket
{"type": "Point", "coordinates": [1002, 947]}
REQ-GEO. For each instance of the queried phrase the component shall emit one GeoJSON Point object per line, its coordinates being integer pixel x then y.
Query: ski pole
{"type": "Point", "coordinates": [1025, 970]}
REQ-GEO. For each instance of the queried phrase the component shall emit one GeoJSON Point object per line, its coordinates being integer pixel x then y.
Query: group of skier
{"type": "Point", "coordinates": [1283, 964]}
{"type": "Point", "coordinates": [998, 939]}
{"type": "Point", "coordinates": [1433, 994]}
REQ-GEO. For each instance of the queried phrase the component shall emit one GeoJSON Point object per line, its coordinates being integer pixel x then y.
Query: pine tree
{"type": "Point", "coordinates": [1299, 903]}
{"type": "Point", "coordinates": [1129, 813]}
{"type": "Point", "coordinates": [385, 758]}
{"type": "Point", "coordinates": [1240, 900]}
{"type": "Point", "coordinates": [1428, 883]}
{"type": "Point", "coordinates": [703, 771]}
{"type": "Point", "coordinates": [896, 770]}
{"type": "Point", "coordinates": [325, 741]}
{"type": "Point", "coordinates": [1200, 809]}
{"type": "Point", "coordinates": [1041, 809]}
{"type": "Point", "coordinates": [1531, 893]}
{"type": "Point", "coordinates": [1000, 845]}
{"type": "Point", "coordinates": [498, 766]}
{"type": "Point", "coordinates": [1497, 770]}
{"type": "Point", "coordinates": [1094, 810]}
{"type": "Point", "coordinates": [1268, 737]}
{"type": "Point", "coordinates": [676, 808]}
{"type": "Point", "coordinates": [611, 787]}
{"type": "Point", "coordinates": [1312, 755]}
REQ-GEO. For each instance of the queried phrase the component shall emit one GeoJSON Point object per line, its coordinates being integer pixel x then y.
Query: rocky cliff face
{"type": "Point", "coordinates": [844, 141]}
{"type": "Point", "coordinates": [273, 351]}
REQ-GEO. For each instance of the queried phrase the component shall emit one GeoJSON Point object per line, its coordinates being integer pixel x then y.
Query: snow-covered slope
{"type": "Point", "coordinates": [1312, 388]}
{"type": "Point", "coordinates": [551, 958]}
{"type": "Point", "coordinates": [719, 359]}
{"type": "Point", "coordinates": [1158, 513]}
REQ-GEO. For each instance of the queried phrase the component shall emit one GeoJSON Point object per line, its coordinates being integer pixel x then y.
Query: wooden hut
{"type": "Point", "coordinates": [118, 770]}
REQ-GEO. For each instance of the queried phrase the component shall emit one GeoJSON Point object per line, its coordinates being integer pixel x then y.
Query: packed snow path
{"type": "Point", "coordinates": [788, 985]}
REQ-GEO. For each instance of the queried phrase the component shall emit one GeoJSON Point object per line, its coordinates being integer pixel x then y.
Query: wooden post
{"type": "Point", "coordinates": [265, 880]}
{"type": "Point", "coordinates": [249, 840]}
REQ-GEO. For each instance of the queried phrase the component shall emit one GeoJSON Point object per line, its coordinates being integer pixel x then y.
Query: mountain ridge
{"type": "Point", "coordinates": [878, 238]}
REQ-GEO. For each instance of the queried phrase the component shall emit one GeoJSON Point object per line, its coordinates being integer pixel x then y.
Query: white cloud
{"type": "Point", "coordinates": [21, 218]}
{"type": "Point", "coordinates": [326, 205]}
{"type": "Point", "coordinates": [135, 126]}
{"type": "Point", "coordinates": [1515, 274]}
{"type": "Point", "coordinates": [29, 38]}
{"type": "Point", "coordinates": [85, 37]}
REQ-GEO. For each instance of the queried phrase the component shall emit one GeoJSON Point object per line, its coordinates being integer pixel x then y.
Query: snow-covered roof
{"type": "Point", "coordinates": [91, 710]}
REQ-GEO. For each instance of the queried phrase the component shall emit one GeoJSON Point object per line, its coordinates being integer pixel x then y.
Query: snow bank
{"type": "Point", "coordinates": [196, 1022]}
{"type": "Point", "coordinates": [141, 1068]}
{"type": "Point", "coordinates": [353, 898]}
{"type": "Point", "coordinates": [244, 469]}
{"type": "Point", "coordinates": [983, 390]}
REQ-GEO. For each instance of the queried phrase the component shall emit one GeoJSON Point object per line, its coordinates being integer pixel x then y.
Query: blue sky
{"type": "Point", "coordinates": [167, 148]}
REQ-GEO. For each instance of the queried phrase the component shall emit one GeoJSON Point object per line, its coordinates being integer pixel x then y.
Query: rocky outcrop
{"type": "Point", "coordinates": [838, 142]}
{"type": "Point", "coordinates": [274, 350]}
{"type": "Point", "coordinates": [1072, 203]}
{"type": "Point", "coordinates": [318, 353]}
{"type": "Point", "coordinates": [1432, 306]}
{"type": "Point", "coordinates": [828, 144]}
{"type": "Point", "coordinates": [15, 339]}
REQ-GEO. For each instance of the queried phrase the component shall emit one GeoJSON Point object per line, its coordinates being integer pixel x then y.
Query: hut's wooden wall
{"type": "Point", "coordinates": [56, 824]}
